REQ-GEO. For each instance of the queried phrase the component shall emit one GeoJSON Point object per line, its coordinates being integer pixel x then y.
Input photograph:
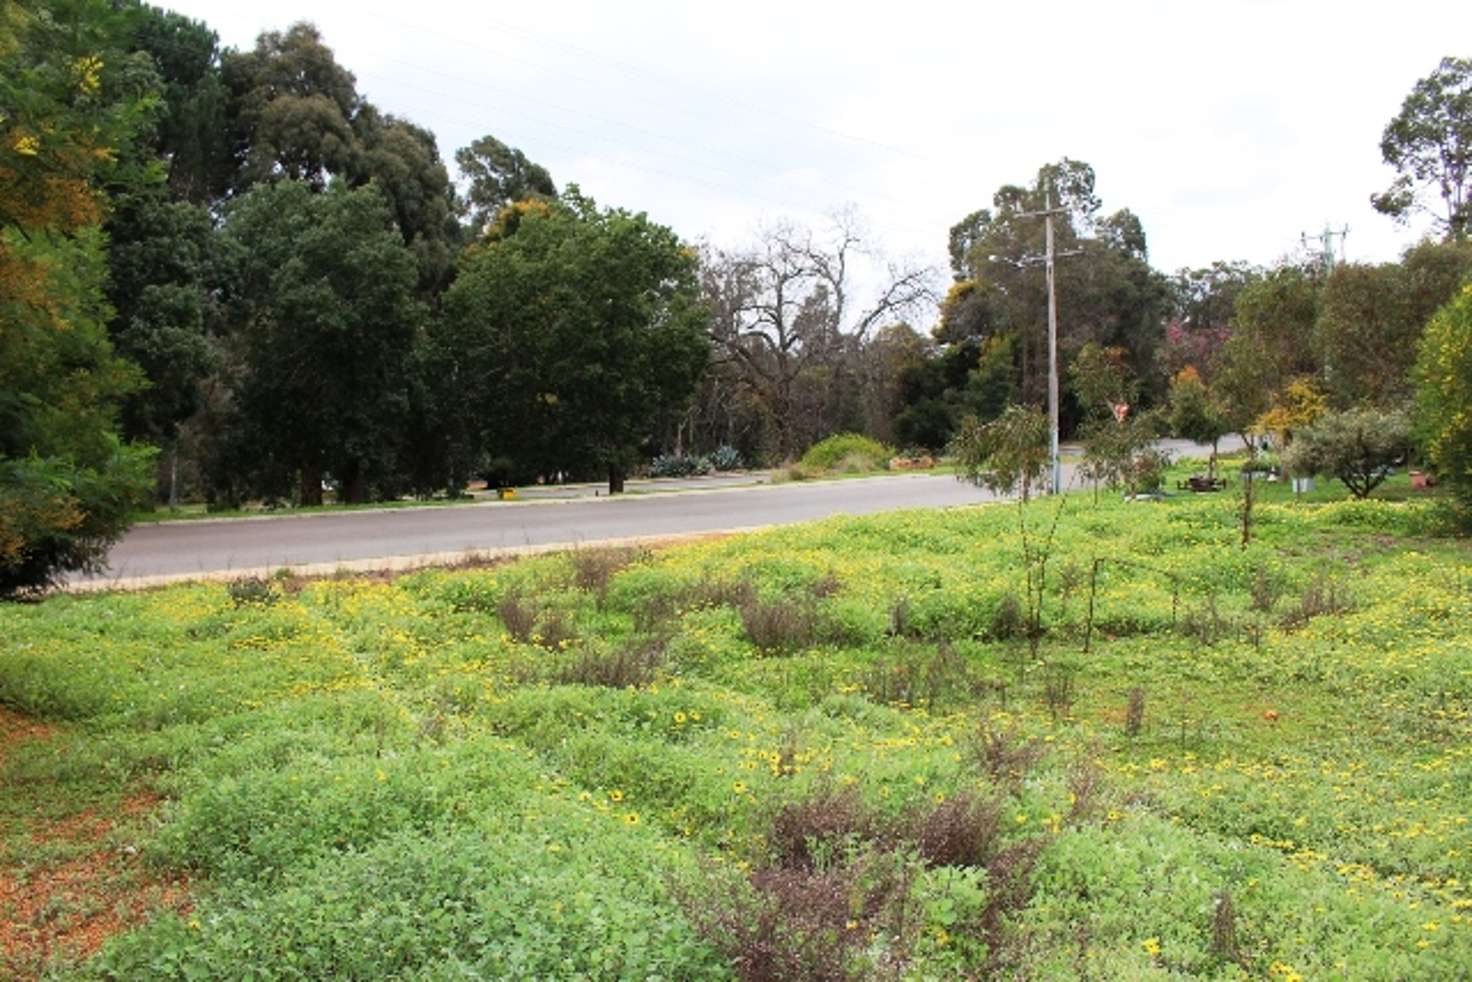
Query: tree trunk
{"type": "Point", "coordinates": [615, 478]}
{"type": "Point", "coordinates": [353, 490]}
{"type": "Point", "coordinates": [311, 489]}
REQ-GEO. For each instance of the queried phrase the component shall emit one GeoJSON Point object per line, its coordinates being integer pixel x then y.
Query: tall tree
{"type": "Point", "coordinates": [293, 107]}
{"type": "Point", "coordinates": [496, 175]}
{"type": "Point", "coordinates": [1106, 291]}
{"type": "Point", "coordinates": [1429, 143]}
{"type": "Point", "coordinates": [784, 309]}
{"type": "Point", "coordinates": [321, 291]}
{"type": "Point", "coordinates": [581, 330]}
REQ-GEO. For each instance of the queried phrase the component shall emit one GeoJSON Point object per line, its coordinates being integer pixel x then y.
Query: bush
{"type": "Point", "coordinates": [726, 458]}
{"type": "Point", "coordinates": [1357, 446]}
{"type": "Point", "coordinates": [57, 516]}
{"type": "Point", "coordinates": [1444, 394]}
{"type": "Point", "coordinates": [854, 450]}
{"type": "Point", "coordinates": [679, 465]}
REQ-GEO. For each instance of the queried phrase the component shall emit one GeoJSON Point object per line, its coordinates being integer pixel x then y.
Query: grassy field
{"type": "Point", "coordinates": [857, 748]}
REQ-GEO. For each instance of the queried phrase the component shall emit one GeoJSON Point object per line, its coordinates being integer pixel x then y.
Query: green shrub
{"type": "Point", "coordinates": [852, 450]}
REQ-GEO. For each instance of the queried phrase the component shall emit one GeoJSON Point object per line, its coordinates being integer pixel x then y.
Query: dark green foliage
{"type": "Point", "coordinates": [498, 175]}
{"type": "Point", "coordinates": [585, 327]}
{"type": "Point", "coordinates": [322, 295]}
{"type": "Point", "coordinates": [1444, 395]}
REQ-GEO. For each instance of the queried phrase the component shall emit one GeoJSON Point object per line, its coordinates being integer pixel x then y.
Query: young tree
{"type": "Point", "coordinates": [1194, 414]}
{"type": "Point", "coordinates": [1429, 143]}
{"type": "Point", "coordinates": [580, 330]}
{"type": "Point", "coordinates": [1007, 454]}
{"type": "Point", "coordinates": [1443, 415]}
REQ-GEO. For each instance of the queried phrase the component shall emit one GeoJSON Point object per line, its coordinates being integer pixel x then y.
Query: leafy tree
{"type": "Point", "coordinates": [1106, 293]}
{"type": "Point", "coordinates": [1357, 446]}
{"type": "Point", "coordinates": [579, 331]}
{"type": "Point", "coordinates": [1274, 316]}
{"type": "Point", "coordinates": [404, 162]}
{"type": "Point", "coordinates": [1009, 453]}
{"type": "Point", "coordinates": [160, 259]}
{"type": "Point", "coordinates": [1443, 416]}
{"type": "Point", "coordinates": [1429, 143]}
{"type": "Point", "coordinates": [1194, 414]}
{"type": "Point", "coordinates": [67, 483]}
{"type": "Point", "coordinates": [191, 128]}
{"type": "Point", "coordinates": [497, 175]}
{"type": "Point", "coordinates": [321, 300]}
{"type": "Point", "coordinates": [293, 107]}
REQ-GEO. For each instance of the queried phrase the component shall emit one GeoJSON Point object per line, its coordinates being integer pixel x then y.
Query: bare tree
{"type": "Point", "coordinates": [784, 312]}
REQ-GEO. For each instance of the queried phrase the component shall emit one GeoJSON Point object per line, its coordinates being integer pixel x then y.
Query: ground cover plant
{"type": "Point", "coordinates": [898, 746]}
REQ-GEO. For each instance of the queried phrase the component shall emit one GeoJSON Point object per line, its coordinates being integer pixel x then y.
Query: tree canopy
{"type": "Point", "coordinates": [579, 330]}
{"type": "Point", "coordinates": [1429, 143]}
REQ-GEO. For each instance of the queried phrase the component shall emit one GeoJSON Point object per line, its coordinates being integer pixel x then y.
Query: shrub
{"type": "Point", "coordinates": [960, 831]}
{"type": "Point", "coordinates": [779, 625]}
{"type": "Point", "coordinates": [1444, 394]}
{"type": "Point", "coordinates": [593, 568]}
{"type": "Point", "coordinates": [726, 458]}
{"type": "Point", "coordinates": [679, 465]}
{"type": "Point", "coordinates": [247, 590]}
{"type": "Point", "coordinates": [635, 663]}
{"type": "Point", "coordinates": [853, 450]}
{"type": "Point", "coordinates": [1357, 446]}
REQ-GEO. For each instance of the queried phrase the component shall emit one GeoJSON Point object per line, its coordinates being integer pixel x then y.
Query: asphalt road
{"type": "Point", "coordinates": [197, 548]}
{"type": "Point", "coordinates": [213, 546]}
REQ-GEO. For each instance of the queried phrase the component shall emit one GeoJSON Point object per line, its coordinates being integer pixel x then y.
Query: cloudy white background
{"type": "Point", "coordinates": [1229, 128]}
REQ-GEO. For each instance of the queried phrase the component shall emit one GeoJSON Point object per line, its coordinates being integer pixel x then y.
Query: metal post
{"type": "Point", "coordinates": [1055, 483]}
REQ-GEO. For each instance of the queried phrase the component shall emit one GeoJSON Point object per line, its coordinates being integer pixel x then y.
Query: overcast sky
{"type": "Point", "coordinates": [1229, 128]}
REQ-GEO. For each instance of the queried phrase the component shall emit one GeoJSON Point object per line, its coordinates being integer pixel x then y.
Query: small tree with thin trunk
{"type": "Point", "coordinates": [1010, 452]}
{"type": "Point", "coordinates": [1194, 414]}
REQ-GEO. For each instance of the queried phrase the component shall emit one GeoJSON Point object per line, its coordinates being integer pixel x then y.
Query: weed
{"type": "Point", "coordinates": [1265, 591]}
{"type": "Point", "coordinates": [803, 831]}
{"type": "Point", "coordinates": [960, 831]}
{"type": "Point", "coordinates": [1008, 622]}
{"type": "Point", "coordinates": [555, 631]}
{"type": "Point", "coordinates": [517, 615]}
{"type": "Point", "coordinates": [1224, 928]}
{"type": "Point", "coordinates": [593, 568]}
{"type": "Point", "coordinates": [1134, 713]}
{"type": "Point", "coordinates": [1058, 688]}
{"type": "Point", "coordinates": [1322, 597]}
{"type": "Point", "coordinates": [635, 663]}
{"type": "Point", "coordinates": [1003, 755]}
{"type": "Point", "coordinates": [247, 591]}
{"type": "Point", "coordinates": [780, 625]}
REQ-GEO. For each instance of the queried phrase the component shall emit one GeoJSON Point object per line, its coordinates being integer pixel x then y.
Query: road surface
{"type": "Point", "coordinates": [181, 549]}
{"type": "Point", "coordinates": [366, 539]}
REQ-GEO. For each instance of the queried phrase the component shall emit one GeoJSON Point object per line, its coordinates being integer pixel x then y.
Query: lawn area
{"type": "Point", "coordinates": [832, 750]}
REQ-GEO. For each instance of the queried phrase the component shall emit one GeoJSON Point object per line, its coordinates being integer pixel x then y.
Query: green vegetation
{"type": "Point", "coordinates": [856, 743]}
{"type": "Point", "coordinates": [847, 452]}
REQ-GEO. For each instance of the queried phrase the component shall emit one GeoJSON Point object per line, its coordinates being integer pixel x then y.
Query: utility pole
{"type": "Point", "coordinates": [1325, 239]}
{"type": "Point", "coordinates": [1055, 475]}
{"type": "Point", "coordinates": [1055, 483]}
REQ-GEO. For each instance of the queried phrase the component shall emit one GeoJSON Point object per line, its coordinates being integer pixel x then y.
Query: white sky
{"type": "Point", "coordinates": [1230, 129]}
